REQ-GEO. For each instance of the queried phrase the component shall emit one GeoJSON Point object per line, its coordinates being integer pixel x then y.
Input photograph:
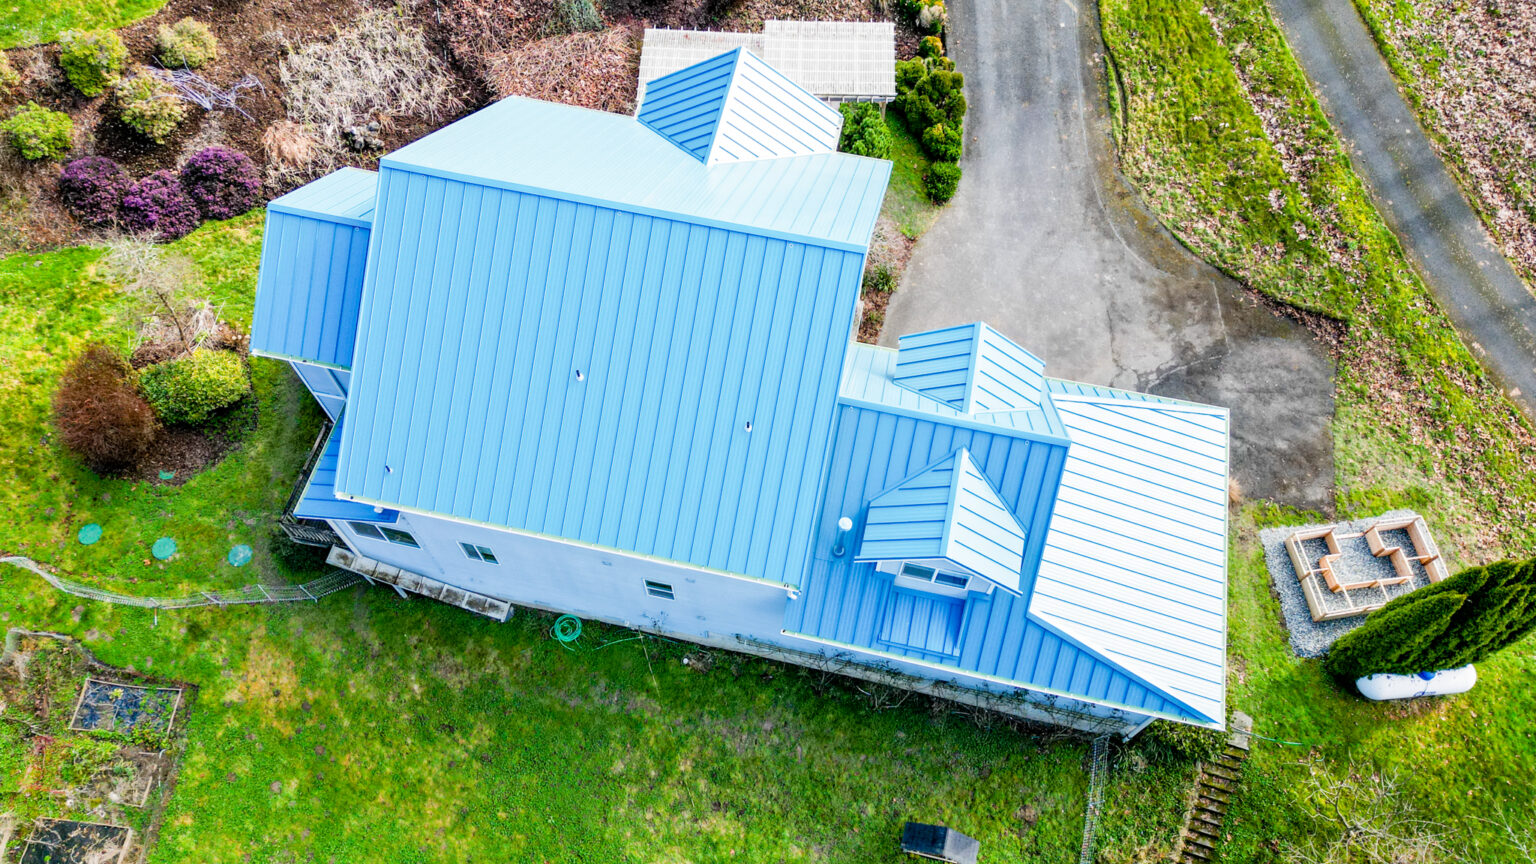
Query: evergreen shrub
{"type": "Point", "coordinates": [99, 414]}
{"type": "Point", "coordinates": [188, 44]}
{"type": "Point", "coordinates": [93, 189]}
{"type": "Point", "coordinates": [159, 205]}
{"type": "Point", "coordinates": [189, 390]}
{"type": "Point", "coordinates": [864, 131]}
{"type": "Point", "coordinates": [222, 182]}
{"type": "Point", "coordinates": [92, 60]}
{"type": "Point", "coordinates": [149, 106]}
{"type": "Point", "coordinates": [38, 133]}
{"type": "Point", "coordinates": [941, 181]}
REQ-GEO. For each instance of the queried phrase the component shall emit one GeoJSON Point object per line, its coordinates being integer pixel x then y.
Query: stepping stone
{"type": "Point", "coordinates": [240, 555]}
{"type": "Point", "coordinates": [89, 534]}
{"type": "Point", "coordinates": [164, 548]}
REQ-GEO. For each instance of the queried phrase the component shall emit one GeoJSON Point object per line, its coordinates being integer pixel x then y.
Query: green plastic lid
{"type": "Point", "coordinates": [164, 548]}
{"type": "Point", "coordinates": [167, 475]}
{"type": "Point", "coordinates": [240, 555]}
{"type": "Point", "coordinates": [89, 534]}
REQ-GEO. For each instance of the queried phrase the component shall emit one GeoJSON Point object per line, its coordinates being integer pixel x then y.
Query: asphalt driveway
{"type": "Point", "coordinates": [1047, 243]}
{"type": "Point", "coordinates": [1473, 281]}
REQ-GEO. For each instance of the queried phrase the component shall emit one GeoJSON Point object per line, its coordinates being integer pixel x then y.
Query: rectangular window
{"type": "Point", "coordinates": [659, 589]}
{"type": "Point", "coordinates": [478, 553]}
{"type": "Point", "coordinates": [363, 529]}
{"type": "Point", "coordinates": [400, 537]}
{"type": "Point", "coordinates": [938, 577]}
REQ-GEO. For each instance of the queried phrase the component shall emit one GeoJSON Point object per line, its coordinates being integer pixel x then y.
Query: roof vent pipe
{"type": "Point", "coordinates": [840, 545]}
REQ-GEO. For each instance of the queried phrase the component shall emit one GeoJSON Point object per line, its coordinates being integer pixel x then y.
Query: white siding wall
{"type": "Point", "coordinates": [590, 583]}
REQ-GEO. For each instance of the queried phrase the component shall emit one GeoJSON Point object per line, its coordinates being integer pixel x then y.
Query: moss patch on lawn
{"type": "Point", "coordinates": [31, 22]}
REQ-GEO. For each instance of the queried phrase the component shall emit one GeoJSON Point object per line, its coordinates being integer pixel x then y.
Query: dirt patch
{"type": "Point", "coordinates": [594, 70]}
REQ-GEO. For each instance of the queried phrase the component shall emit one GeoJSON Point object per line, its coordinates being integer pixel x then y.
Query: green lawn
{"type": "Point", "coordinates": [905, 199]}
{"type": "Point", "coordinates": [1209, 90]}
{"type": "Point", "coordinates": [29, 22]}
{"type": "Point", "coordinates": [370, 728]}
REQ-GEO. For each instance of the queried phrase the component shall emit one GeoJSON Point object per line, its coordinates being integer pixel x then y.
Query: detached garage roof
{"type": "Point", "coordinates": [831, 59]}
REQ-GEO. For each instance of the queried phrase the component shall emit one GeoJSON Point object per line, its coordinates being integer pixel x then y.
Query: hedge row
{"type": "Point", "coordinates": [216, 183]}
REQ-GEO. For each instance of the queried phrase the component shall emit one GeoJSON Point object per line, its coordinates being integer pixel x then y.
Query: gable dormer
{"type": "Point", "coordinates": [735, 108]}
{"type": "Point", "coordinates": [950, 521]}
{"type": "Point", "coordinates": [971, 368]}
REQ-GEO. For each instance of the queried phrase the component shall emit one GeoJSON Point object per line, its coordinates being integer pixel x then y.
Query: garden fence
{"type": "Point", "coordinates": [248, 594]}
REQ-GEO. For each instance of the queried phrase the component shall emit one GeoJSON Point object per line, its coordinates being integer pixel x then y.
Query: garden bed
{"type": "Point", "coordinates": [113, 706]}
{"type": "Point", "coordinates": [63, 841]}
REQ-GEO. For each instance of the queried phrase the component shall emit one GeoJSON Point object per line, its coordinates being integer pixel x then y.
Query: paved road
{"type": "Point", "coordinates": [1047, 243]}
{"type": "Point", "coordinates": [1486, 300]}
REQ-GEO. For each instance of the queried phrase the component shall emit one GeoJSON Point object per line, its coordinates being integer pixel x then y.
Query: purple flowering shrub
{"type": "Point", "coordinates": [158, 205]}
{"type": "Point", "coordinates": [93, 189]}
{"type": "Point", "coordinates": [222, 182]}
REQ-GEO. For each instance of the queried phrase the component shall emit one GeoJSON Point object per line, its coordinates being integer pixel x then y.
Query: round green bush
{"type": "Point", "coordinates": [941, 142]}
{"type": "Point", "coordinates": [864, 131]}
{"type": "Point", "coordinates": [150, 107]}
{"type": "Point", "coordinates": [92, 60]}
{"type": "Point", "coordinates": [38, 133]}
{"type": "Point", "coordinates": [188, 390]}
{"type": "Point", "coordinates": [9, 77]}
{"type": "Point", "coordinates": [941, 182]}
{"type": "Point", "coordinates": [186, 44]}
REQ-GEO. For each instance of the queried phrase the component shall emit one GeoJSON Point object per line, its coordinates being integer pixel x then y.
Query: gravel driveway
{"type": "Point", "coordinates": [1046, 242]}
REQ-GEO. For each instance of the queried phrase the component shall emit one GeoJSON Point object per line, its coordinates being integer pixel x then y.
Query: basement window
{"type": "Point", "coordinates": [363, 529]}
{"type": "Point", "coordinates": [479, 553]}
{"type": "Point", "coordinates": [659, 589]}
{"type": "Point", "coordinates": [401, 537]}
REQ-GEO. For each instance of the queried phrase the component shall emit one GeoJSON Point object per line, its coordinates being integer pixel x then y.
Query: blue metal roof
{"type": "Point", "coordinates": [310, 281]}
{"type": "Point", "coordinates": [948, 511]}
{"type": "Point", "coordinates": [608, 160]}
{"type": "Point", "coordinates": [483, 304]}
{"type": "Point", "coordinates": [971, 368]}
{"type": "Point", "coordinates": [887, 433]}
{"type": "Point", "coordinates": [734, 108]}
{"type": "Point", "coordinates": [319, 501]}
{"type": "Point", "coordinates": [1135, 564]}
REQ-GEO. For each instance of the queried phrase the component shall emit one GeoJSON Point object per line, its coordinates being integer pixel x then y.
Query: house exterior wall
{"type": "Point", "coordinates": [708, 608]}
{"type": "Point", "coordinates": [582, 580]}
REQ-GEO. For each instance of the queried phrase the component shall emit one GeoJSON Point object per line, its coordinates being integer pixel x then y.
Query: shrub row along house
{"type": "Point", "coordinates": [601, 364]}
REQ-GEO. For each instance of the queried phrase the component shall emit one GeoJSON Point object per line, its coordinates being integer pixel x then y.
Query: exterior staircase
{"type": "Point", "coordinates": [1217, 783]}
{"type": "Point", "coordinates": [405, 580]}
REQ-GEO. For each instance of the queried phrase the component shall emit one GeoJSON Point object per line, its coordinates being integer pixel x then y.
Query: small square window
{"type": "Point", "coordinates": [659, 589]}
{"type": "Point", "coordinates": [363, 529]}
{"type": "Point", "coordinates": [478, 553]}
{"type": "Point", "coordinates": [400, 537]}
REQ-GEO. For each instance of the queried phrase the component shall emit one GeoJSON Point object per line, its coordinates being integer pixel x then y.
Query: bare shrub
{"type": "Point", "coordinates": [592, 70]}
{"type": "Point", "coordinates": [99, 413]}
{"type": "Point", "coordinates": [379, 66]}
{"type": "Point", "coordinates": [163, 287]}
{"type": "Point", "coordinates": [1368, 821]}
{"type": "Point", "coordinates": [289, 147]}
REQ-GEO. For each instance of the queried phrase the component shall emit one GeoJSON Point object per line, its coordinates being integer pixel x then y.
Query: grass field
{"type": "Point", "coordinates": [1224, 139]}
{"type": "Point", "coordinates": [29, 22]}
{"type": "Point", "coordinates": [370, 728]}
{"type": "Point", "coordinates": [905, 200]}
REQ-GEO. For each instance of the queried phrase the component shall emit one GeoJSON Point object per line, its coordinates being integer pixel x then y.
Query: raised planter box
{"type": "Point", "coordinates": [1382, 686]}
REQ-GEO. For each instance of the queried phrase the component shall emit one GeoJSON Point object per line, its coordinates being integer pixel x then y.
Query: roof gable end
{"type": "Point", "coordinates": [734, 107]}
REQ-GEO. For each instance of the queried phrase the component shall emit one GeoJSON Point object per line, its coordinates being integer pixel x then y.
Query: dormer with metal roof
{"type": "Point", "coordinates": [736, 108]}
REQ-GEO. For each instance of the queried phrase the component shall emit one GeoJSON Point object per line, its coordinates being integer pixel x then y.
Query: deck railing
{"type": "Point", "coordinates": [310, 532]}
